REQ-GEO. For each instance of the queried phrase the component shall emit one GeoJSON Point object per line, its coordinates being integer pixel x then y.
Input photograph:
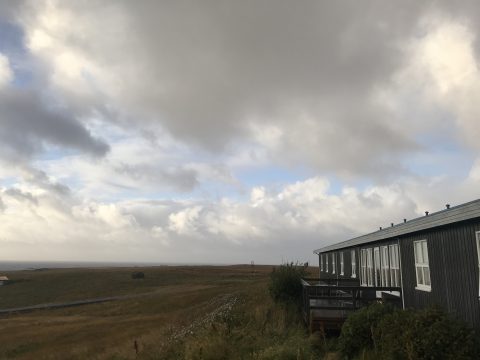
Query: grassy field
{"type": "Point", "coordinates": [205, 312]}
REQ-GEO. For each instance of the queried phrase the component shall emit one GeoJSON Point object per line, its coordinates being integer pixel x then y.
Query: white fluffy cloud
{"type": "Point", "coordinates": [6, 73]}
{"type": "Point", "coordinates": [289, 223]}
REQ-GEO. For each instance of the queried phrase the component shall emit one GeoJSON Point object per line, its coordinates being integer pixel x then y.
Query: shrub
{"type": "Point", "coordinates": [424, 334]}
{"type": "Point", "coordinates": [285, 285]}
{"type": "Point", "coordinates": [358, 329]}
{"type": "Point", "coordinates": [138, 275]}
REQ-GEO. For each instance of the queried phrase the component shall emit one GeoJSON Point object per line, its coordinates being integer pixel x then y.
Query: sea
{"type": "Point", "coordinates": [36, 265]}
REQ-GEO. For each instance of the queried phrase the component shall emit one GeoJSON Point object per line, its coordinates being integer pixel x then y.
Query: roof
{"type": "Point", "coordinates": [452, 215]}
{"type": "Point", "coordinates": [3, 278]}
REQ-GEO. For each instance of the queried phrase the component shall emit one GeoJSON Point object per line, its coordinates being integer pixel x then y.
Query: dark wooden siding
{"type": "Point", "coordinates": [453, 263]}
{"type": "Point", "coordinates": [454, 270]}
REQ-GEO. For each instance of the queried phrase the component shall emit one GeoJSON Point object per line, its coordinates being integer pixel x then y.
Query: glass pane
{"type": "Point", "coordinates": [418, 253]}
{"type": "Point", "coordinates": [395, 256]}
{"type": "Point", "coordinates": [426, 275]}
{"type": "Point", "coordinates": [385, 257]}
{"type": "Point", "coordinates": [425, 252]}
{"type": "Point", "coordinates": [419, 275]}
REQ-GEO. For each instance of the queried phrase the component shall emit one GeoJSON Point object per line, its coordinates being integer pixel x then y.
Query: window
{"type": "Point", "coordinates": [354, 264]}
{"type": "Point", "coordinates": [369, 268]}
{"type": "Point", "coordinates": [326, 259]}
{"type": "Point", "coordinates": [478, 256]}
{"type": "Point", "coordinates": [421, 265]}
{"type": "Point", "coordinates": [394, 265]}
{"type": "Point", "coordinates": [341, 264]}
{"type": "Point", "coordinates": [385, 267]}
{"type": "Point", "coordinates": [376, 265]}
{"type": "Point", "coordinates": [363, 265]}
{"type": "Point", "coordinates": [333, 263]}
{"type": "Point", "coordinates": [321, 262]}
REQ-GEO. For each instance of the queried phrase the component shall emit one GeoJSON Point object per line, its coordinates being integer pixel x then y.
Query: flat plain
{"type": "Point", "coordinates": [159, 312]}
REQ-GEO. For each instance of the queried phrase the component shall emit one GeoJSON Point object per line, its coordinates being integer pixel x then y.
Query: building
{"type": "Point", "coordinates": [3, 280]}
{"type": "Point", "coordinates": [434, 259]}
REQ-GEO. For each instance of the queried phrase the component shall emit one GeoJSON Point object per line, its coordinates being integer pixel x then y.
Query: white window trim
{"type": "Point", "coordinates": [342, 264]}
{"type": "Point", "coordinates": [321, 262]}
{"type": "Point", "coordinates": [334, 262]}
{"type": "Point", "coordinates": [394, 262]}
{"type": "Point", "coordinates": [377, 266]}
{"type": "Point", "coordinates": [422, 287]}
{"type": "Point", "coordinates": [385, 268]}
{"type": "Point", "coordinates": [370, 269]}
{"type": "Point", "coordinates": [326, 262]}
{"type": "Point", "coordinates": [363, 267]}
{"type": "Point", "coordinates": [354, 263]}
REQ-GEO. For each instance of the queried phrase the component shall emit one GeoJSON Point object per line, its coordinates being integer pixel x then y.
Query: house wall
{"type": "Point", "coordinates": [347, 274]}
{"type": "Point", "coordinates": [453, 263]}
{"type": "Point", "coordinates": [454, 271]}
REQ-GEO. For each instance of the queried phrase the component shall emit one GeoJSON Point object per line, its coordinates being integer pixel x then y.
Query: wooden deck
{"type": "Point", "coordinates": [328, 302]}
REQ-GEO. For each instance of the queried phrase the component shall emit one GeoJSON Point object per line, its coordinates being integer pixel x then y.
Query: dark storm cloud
{"type": "Point", "coordinates": [208, 71]}
{"type": "Point", "coordinates": [27, 124]}
{"type": "Point", "coordinates": [221, 63]}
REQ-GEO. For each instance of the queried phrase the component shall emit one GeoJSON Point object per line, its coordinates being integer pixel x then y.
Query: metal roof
{"type": "Point", "coordinates": [455, 214]}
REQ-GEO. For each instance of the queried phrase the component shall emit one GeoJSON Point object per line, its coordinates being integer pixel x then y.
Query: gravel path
{"type": "Point", "coordinates": [68, 304]}
{"type": "Point", "coordinates": [224, 307]}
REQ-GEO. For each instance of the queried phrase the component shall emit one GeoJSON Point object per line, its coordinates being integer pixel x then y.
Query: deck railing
{"type": "Point", "coordinates": [331, 300]}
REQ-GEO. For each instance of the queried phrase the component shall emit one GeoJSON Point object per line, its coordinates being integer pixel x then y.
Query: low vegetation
{"type": "Point", "coordinates": [205, 312]}
{"type": "Point", "coordinates": [285, 285]}
{"type": "Point", "coordinates": [382, 332]}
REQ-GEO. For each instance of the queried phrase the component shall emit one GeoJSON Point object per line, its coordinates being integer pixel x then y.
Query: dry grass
{"type": "Point", "coordinates": [175, 297]}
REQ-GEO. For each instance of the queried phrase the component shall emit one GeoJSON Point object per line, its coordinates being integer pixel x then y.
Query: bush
{"type": "Point", "coordinates": [138, 275]}
{"type": "Point", "coordinates": [424, 334]}
{"type": "Point", "coordinates": [358, 330]}
{"type": "Point", "coordinates": [285, 285]}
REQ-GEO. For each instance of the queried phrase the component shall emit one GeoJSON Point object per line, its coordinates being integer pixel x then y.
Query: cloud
{"type": "Point", "coordinates": [132, 136]}
{"type": "Point", "coordinates": [213, 75]}
{"type": "Point", "coordinates": [21, 196]}
{"type": "Point", "coordinates": [292, 221]}
{"type": "Point", "coordinates": [6, 73]}
{"type": "Point", "coordinates": [28, 124]}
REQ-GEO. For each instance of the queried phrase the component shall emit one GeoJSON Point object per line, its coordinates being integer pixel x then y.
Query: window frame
{"type": "Point", "coordinates": [334, 263]}
{"type": "Point", "coordinates": [363, 267]}
{"type": "Point", "coordinates": [321, 262]}
{"type": "Point", "coordinates": [342, 265]}
{"type": "Point", "coordinates": [326, 263]}
{"type": "Point", "coordinates": [377, 266]}
{"type": "Point", "coordinates": [394, 261]}
{"type": "Point", "coordinates": [385, 266]}
{"type": "Point", "coordinates": [354, 263]}
{"type": "Point", "coordinates": [424, 265]}
{"type": "Point", "coordinates": [370, 267]}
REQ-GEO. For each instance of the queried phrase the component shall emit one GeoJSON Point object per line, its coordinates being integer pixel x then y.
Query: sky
{"type": "Point", "coordinates": [230, 131]}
